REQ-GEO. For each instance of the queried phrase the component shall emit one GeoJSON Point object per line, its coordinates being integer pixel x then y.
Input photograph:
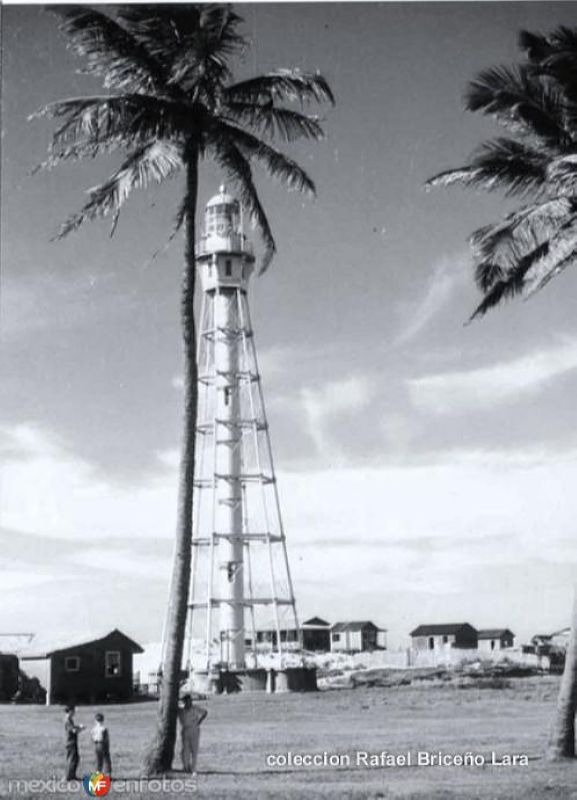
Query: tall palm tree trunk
{"type": "Point", "coordinates": [158, 758]}
{"type": "Point", "coordinates": [562, 739]}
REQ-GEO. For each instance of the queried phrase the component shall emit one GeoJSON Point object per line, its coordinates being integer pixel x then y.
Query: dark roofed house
{"type": "Point", "coordinates": [356, 637]}
{"type": "Point", "coordinates": [496, 639]}
{"type": "Point", "coordinates": [93, 670]}
{"type": "Point", "coordinates": [316, 635]}
{"type": "Point", "coordinates": [436, 637]}
{"type": "Point", "coordinates": [8, 676]}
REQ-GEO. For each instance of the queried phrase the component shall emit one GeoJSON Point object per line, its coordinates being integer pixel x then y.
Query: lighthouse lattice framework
{"type": "Point", "coordinates": [241, 580]}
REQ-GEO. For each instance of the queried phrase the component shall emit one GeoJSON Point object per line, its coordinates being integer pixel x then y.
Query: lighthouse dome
{"type": "Point", "coordinates": [222, 198]}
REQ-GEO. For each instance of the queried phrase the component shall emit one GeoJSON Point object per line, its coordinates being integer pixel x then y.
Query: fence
{"type": "Point", "coordinates": [402, 659]}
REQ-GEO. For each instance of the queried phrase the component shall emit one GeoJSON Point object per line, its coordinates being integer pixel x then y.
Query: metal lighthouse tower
{"type": "Point", "coordinates": [240, 580]}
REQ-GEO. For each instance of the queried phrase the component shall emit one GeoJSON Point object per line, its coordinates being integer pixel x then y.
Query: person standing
{"type": "Point", "coordinates": [190, 717]}
{"type": "Point", "coordinates": [101, 741]}
{"type": "Point", "coordinates": [71, 729]}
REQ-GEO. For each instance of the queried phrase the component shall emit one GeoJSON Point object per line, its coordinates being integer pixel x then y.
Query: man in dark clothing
{"type": "Point", "coordinates": [71, 730]}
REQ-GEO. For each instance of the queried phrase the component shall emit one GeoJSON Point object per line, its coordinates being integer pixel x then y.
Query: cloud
{"type": "Point", "coordinates": [445, 278]}
{"type": "Point", "coordinates": [325, 404]}
{"type": "Point", "coordinates": [454, 392]}
{"type": "Point", "coordinates": [408, 532]}
{"type": "Point", "coordinates": [169, 458]}
{"type": "Point", "coordinates": [47, 489]}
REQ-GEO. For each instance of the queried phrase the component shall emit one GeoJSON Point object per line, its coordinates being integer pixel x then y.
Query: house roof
{"type": "Point", "coordinates": [43, 649]}
{"type": "Point", "coordinates": [494, 633]}
{"type": "Point", "coordinates": [339, 627]}
{"type": "Point", "coordinates": [445, 628]}
{"type": "Point", "coordinates": [317, 621]}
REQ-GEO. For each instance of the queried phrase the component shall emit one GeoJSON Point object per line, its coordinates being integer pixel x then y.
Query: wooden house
{"type": "Point", "coordinates": [356, 637]}
{"type": "Point", "coordinates": [495, 639]}
{"type": "Point", "coordinates": [316, 635]}
{"type": "Point", "coordinates": [96, 670]}
{"type": "Point", "coordinates": [9, 676]}
{"type": "Point", "coordinates": [438, 637]}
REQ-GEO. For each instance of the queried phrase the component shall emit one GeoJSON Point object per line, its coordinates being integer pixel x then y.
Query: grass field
{"type": "Point", "coordinates": [242, 730]}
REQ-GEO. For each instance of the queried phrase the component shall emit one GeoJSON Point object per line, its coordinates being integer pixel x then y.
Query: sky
{"type": "Point", "coordinates": [426, 469]}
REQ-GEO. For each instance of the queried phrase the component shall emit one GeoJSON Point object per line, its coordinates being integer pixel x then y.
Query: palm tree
{"type": "Point", "coordinates": [536, 103]}
{"type": "Point", "coordinates": [170, 101]}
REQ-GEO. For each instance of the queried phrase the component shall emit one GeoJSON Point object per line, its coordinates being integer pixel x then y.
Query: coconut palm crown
{"type": "Point", "coordinates": [536, 103]}
{"type": "Point", "coordinates": [170, 100]}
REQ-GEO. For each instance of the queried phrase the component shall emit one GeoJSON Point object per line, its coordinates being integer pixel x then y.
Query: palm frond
{"type": "Point", "coordinates": [77, 152]}
{"type": "Point", "coordinates": [179, 220]}
{"type": "Point", "coordinates": [269, 120]}
{"type": "Point", "coordinates": [213, 41]}
{"type": "Point", "coordinates": [449, 177]}
{"type": "Point", "coordinates": [487, 274]}
{"type": "Point", "coordinates": [522, 101]}
{"type": "Point", "coordinates": [534, 44]}
{"type": "Point", "coordinates": [109, 50]}
{"type": "Point", "coordinates": [510, 165]}
{"type": "Point", "coordinates": [536, 268]}
{"type": "Point", "coordinates": [560, 253]}
{"type": "Point", "coordinates": [133, 118]}
{"type": "Point", "coordinates": [238, 169]}
{"type": "Point", "coordinates": [499, 164]}
{"type": "Point", "coordinates": [512, 284]}
{"type": "Point", "coordinates": [507, 240]}
{"type": "Point", "coordinates": [559, 58]}
{"type": "Point", "coordinates": [276, 164]}
{"type": "Point", "coordinates": [285, 85]}
{"type": "Point", "coordinates": [193, 42]}
{"type": "Point", "coordinates": [562, 173]}
{"type": "Point", "coordinates": [153, 162]}
{"type": "Point", "coordinates": [556, 269]}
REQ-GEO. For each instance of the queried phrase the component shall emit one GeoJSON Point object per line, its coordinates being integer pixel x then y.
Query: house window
{"type": "Point", "coordinates": [336, 637]}
{"type": "Point", "coordinates": [431, 642]}
{"type": "Point", "coordinates": [445, 640]}
{"type": "Point", "coordinates": [228, 267]}
{"type": "Point", "coordinates": [72, 664]}
{"type": "Point", "coordinates": [492, 644]}
{"type": "Point", "coordinates": [112, 664]}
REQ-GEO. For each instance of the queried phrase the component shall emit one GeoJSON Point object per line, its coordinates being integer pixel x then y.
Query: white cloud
{"type": "Point", "coordinates": [446, 276]}
{"type": "Point", "coordinates": [47, 489]}
{"type": "Point", "coordinates": [322, 405]}
{"type": "Point", "coordinates": [411, 532]}
{"type": "Point", "coordinates": [451, 392]}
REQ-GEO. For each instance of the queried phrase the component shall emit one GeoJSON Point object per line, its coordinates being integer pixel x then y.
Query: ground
{"type": "Point", "coordinates": [242, 730]}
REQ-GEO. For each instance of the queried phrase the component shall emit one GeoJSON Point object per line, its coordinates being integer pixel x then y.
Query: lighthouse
{"type": "Point", "coordinates": [241, 588]}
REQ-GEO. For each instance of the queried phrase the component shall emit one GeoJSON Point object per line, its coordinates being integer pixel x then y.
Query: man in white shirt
{"type": "Point", "coordinates": [101, 741]}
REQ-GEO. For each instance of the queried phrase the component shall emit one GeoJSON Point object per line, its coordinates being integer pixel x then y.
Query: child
{"type": "Point", "coordinates": [190, 718]}
{"type": "Point", "coordinates": [71, 729]}
{"type": "Point", "coordinates": [101, 745]}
